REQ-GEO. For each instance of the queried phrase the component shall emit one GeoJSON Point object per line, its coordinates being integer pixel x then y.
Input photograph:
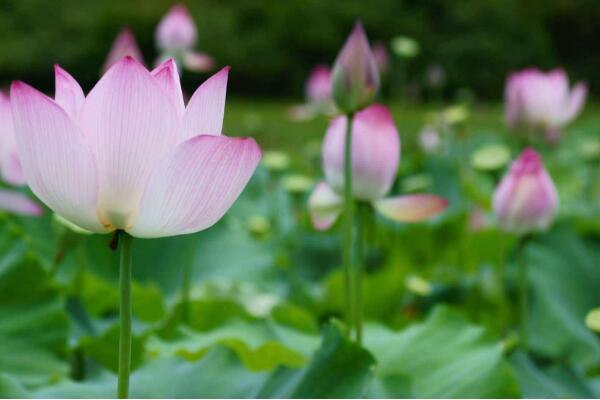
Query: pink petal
{"type": "Point", "coordinates": [205, 110]}
{"type": "Point", "coordinates": [411, 208]}
{"type": "Point", "coordinates": [193, 187]}
{"type": "Point", "coordinates": [130, 124]}
{"type": "Point", "coordinates": [325, 206]}
{"type": "Point", "coordinates": [375, 153]}
{"type": "Point", "coordinates": [167, 76]}
{"type": "Point", "coordinates": [123, 46]}
{"type": "Point", "coordinates": [18, 203]}
{"type": "Point", "coordinates": [318, 85]}
{"type": "Point", "coordinates": [68, 94]}
{"type": "Point", "coordinates": [59, 166]}
{"type": "Point", "coordinates": [575, 102]}
{"type": "Point", "coordinates": [198, 62]}
{"type": "Point", "coordinates": [176, 30]}
{"type": "Point", "coordinates": [9, 159]}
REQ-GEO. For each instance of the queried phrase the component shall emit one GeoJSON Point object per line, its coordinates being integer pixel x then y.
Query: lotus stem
{"type": "Point", "coordinates": [125, 316]}
{"type": "Point", "coordinates": [348, 226]}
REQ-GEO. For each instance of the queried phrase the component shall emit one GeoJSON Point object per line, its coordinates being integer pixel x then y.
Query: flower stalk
{"type": "Point", "coordinates": [125, 316]}
{"type": "Point", "coordinates": [348, 226]}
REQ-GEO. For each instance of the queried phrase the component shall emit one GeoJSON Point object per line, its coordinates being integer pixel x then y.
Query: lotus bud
{"type": "Point", "coordinates": [526, 199]}
{"type": "Point", "coordinates": [355, 76]}
{"type": "Point", "coordinates": [176, 31]}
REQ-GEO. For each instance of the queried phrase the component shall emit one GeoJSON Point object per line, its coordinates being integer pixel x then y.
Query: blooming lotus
{"type": "Point", "coordinates": [542, 100]}
{"type": "Point", "coordinates": [130, 156]}
{"type": "Point", "coordinates": [176, 36]}
{"type": "Point", "coordinates": [355, 76]}
{"type": "Point", "coordinates": [375, 159]}
{"type": "Point", "coordinates": [123, 46]}
{"type": "Point", "coordinates": [526, 199]}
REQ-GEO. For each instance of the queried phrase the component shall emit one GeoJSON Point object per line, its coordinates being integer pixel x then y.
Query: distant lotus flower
{"type": "Point", "coordinates": [318, 85]}
{"type": "Point", "coordinates": [355, 76]}
{"type": "Point", "coordinates": [382, 57]}
{"type": "Point", "coordinates": [123, 46]}
{"type": "Point", "coordinates": [526, 199]}
{"type": "Point", "coordinates": [176, 36]}
{"type": "Point", "coordinates": [375, 158]}
{"type": "Point", "coordinates": [542, 100]}
{"type": "Point", "coordinates": [130, 155]}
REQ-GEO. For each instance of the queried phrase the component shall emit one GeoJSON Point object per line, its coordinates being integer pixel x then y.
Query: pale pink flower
{"type": "Point", "coordinates": [123, 46]}
{"type": "Point", "coordinates": [355, 76]}
{"type": "Point", "coordinates": [130, 155]}
{"type": "Point", "coordinates": [176, 30]}
{"type": "Point", "coordinates": [526, 199]}
{"type": "Point", "coordinates": [429, 139]}
{"type": "Point", "coordinates": [536, 99]}
{"type": "Point", "coordinates": [375, 159]}
{"type": "Point", "coordinates": [318, 85]}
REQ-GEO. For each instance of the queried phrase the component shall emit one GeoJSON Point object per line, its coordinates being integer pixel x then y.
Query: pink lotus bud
{"type": "Point", "coordinates": [375, 153]}
{"type": "Point", "coordinates": [318, 85]}
{"type": "Point", "coordinates": [355, 77]}
{"type": "Point", "coordinates": [526, 199]}
{"type": "Point", "coordinates": [123, 46]}
{"type": "Point", "coordinates": [131, 155]}
{"type": "Point", "coordinates": [176, 31]}
{"type": "Point", "coordinates": [542, 100]}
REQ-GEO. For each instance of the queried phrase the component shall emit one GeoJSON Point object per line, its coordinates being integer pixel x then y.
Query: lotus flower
{"type": "Point", "coordinates": [375, 158]}
{"type": "Point", "coordinates": [176, 36]}
{"type": "Point", "coordinates": [542, 100]}
{"type": "Point", "coordinates": [355, 76]}
{"type": "Point", "coordinates": [318, 85]}
{"type": "Point", "coordinates": [526, 199]}
{"type": "Point", "coordinates": [130, 155]}
{"type": "Point", "coordinates": [124, 45]}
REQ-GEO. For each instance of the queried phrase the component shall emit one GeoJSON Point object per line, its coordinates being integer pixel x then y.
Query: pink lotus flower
{"type": "Point", "coordinates": [355, 76]}
{"type": "Point", "coordinates": [526, 199]}
{"type": "Point", "coordinates": [176, 36]}
{"type": "Point", "coordinates": [130, 155]}
{"type": "Point", "coordinates": [318, 85]}
{"type": "Point", "coordinates": [542, 100]}
{"type": "Point", "coordinates": [375, 159]}
{"type": "Point", "coordinates": [123, 46]}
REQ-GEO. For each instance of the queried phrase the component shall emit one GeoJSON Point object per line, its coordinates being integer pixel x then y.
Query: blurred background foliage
{"type": "Point", "coordinates": [273, 44]}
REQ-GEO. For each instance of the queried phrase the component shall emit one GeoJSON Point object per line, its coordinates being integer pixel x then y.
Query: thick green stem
{"type": "Point", "coordinates": [362, 234]}
{"type": "Point", "coordinates": [523, 290]}
{"type": "Point", "coordinates": [125, 314]}
{"type": "Point", "coordinates": [348, 224]}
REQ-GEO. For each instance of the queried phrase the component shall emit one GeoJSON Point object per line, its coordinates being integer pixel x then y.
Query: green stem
{"type": "Point", "coordinates": [523, 290]}
{"type": "Point", "coordinates": [362, 234]}
{"type": "Point", "coordinates": [125, 313]}
{"type": "Point", "coordinates": [348, 224]}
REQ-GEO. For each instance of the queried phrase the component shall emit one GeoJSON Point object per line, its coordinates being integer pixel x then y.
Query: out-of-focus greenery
{"type": "Point", "coordinates": [273, 44]}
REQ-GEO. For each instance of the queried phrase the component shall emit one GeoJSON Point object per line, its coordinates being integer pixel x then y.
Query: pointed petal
{"type": "Point", "coordinates": [123, 46]}
{"type": "Point", "coordinates": [193, 187]}
{"type": "Point", "coordinates": [59, 166]}
{"type": "Point", "coordinates": [18, 203]}
{"type": "Point", "coordinates": [204, 113]}
{"type": "Point", "coordinates": [197, 61]}
{"type": "Point", "coordinates": [167, 76]}
{"type": "Point", "coordinates": [68, 94]}
{"type": "Point", "coordinates": [325, 206]}
{"type": "Point", "coordinates": [411, 208]}
{"type": "Point", "coordinates": [575, 102]}
{"type": "Point", "coordinates": [130, 124]}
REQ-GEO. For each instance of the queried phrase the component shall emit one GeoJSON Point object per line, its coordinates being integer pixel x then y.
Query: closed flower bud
{"type": "Point", "coordinates": [526, 199]}
{"type": "Point", "coordinates": [176, 31]}
{"type": "Point", "coordinates": [355, 76]}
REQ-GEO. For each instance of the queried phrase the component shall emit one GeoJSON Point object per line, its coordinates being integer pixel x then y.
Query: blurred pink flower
{"type": "Point", "coordinates": [318, 85]}
{"type": "Point", "coordinates": [19, 203]}
{"type": "Point", "coordinates": [526, 199]}
{"type": "Point", "coordinates": [130, 155]}
{"type": "Point", "coordinates": [382, 57]}
{"type": "Point", "coordinates": [176, 30]}
{"type": "Point", "coordinates": [176, 35]}
{"type": "Point", "coordinates": [375, 158]}
{"type": "Point", "coordinates": [355, 76]}
{"type": "Point", "coordinates": [429, 139]}
{"type": "Point", "coordinates": [124, 45]}
{"type": "Point", "coordinates": [542, 100]}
